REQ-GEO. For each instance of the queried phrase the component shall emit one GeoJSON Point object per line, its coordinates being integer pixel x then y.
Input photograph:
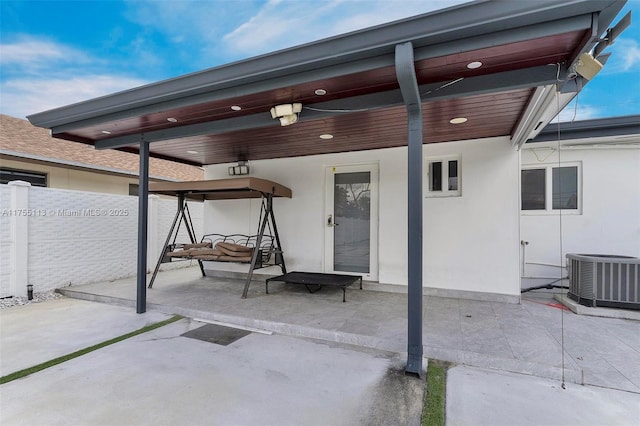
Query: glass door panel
{"type": "Point", "coordinates": [351, 220]}
{"type": "Point", "coordinates": [352, 223]}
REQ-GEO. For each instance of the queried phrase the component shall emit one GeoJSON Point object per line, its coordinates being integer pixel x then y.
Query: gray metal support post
{"type": "Point", "coordinates": [143, 208]}
{"type": "Point", "coordinates": [406, 76]}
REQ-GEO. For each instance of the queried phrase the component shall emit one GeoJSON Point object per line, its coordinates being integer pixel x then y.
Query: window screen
{"type": "Point", "coordinates": [453, 175]}
{"type": "Point", "coordinates": [435, 176]}
{"type": "Point", "coordinates": [533, 189]}
{"type": "Point", "coordinates": [565, 187]}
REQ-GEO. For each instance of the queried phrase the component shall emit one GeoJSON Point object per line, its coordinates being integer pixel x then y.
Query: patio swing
{"type": "Point", "coordinates": [259, 251]}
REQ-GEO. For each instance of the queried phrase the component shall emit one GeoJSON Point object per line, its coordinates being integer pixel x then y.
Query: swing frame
{"type": "Point", "coordinates": [225, 189]}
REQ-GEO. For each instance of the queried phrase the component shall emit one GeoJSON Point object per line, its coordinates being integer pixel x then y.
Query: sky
{"type": "Point", "coordinates": [55, 52]}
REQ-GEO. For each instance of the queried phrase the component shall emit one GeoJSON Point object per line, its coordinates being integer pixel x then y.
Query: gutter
{"type": "Point", "coordinates": [531, 118]}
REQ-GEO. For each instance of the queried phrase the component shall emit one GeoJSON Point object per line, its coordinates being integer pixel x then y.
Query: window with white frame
{"type": "Point", "coordinates": [549, 188]}
{"type": "Point", "coordinates": [443, 176]}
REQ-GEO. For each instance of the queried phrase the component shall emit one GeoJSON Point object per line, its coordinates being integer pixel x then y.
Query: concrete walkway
{"type": "Point", "coordinates": [37, 333]}
{"type": "Point", "coordinates": [477, 396]}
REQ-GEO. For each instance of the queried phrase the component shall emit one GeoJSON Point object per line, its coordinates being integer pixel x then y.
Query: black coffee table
{"type": "Point", "coordinates": [318, 280]}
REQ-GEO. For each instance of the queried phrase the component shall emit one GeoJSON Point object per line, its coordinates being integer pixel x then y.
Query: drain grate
{"type": "Point", "coordinates": [218, 334]}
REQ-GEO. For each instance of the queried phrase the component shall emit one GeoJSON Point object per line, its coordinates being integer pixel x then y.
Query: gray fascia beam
{"type": "Point", "coordinates": [515, 35]}
{"type": "Point", "coordinates": [491, 83]}
{"type": "Point", "coordinates": [200, 129]}
{"type": "Point", "coordinates": [587, 134]}
{"type": "Point", "coordinates": [588, 42]}
{"type": "Point", "coordinates": [405, 72]}
{"type": "Point", "coordinates": [599, 24]}
{"type": "Point", "coordinates": [460, 22]}
{"type": "Point", "coordinates": [499, 82]}
{"type": "Point", "coordinates": [595, 128]}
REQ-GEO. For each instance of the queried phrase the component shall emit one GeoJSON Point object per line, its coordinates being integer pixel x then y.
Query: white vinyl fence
{"type": "Point", "coordinates": [52, 238]}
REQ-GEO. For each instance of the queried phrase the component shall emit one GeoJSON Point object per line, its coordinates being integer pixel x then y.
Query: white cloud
{"type": "Point", "coordinates": [22, 97]}
{"type": "Point", "coordinates": [31, 54]}
{"type": "Point", "coordinates": [629, 52]}
{"type": "Point", "coordinates": [39, 74]}
{"type": "Point", "coordinates": [191, 27]}
{"type": "Point", "coordinates": [281, 24]}
{"type": "Point", "coordinates": [582, 112]}
{"type": "Point", "coordinates": [379, 12]}
{"type": "Point", "coordinates": [625, 56]}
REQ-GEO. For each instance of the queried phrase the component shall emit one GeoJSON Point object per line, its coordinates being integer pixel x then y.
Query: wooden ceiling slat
{"type": "Point", "coordinates": [494, 114]}
{"type": "Point", "coordinates": [503, 57]}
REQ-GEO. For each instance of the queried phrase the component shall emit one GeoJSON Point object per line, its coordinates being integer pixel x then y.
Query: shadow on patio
{"type": "Point", "coordinates": [524, 338]}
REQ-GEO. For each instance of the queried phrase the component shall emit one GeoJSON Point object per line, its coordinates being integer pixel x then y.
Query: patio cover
{"type": "Point", "coordinates": [397, 84]}
{"type": "Point", "coordinates": [221, 189]}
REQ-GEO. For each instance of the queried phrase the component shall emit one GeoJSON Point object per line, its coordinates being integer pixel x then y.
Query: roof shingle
{"type": "Point", "coordinates": [20, 137]}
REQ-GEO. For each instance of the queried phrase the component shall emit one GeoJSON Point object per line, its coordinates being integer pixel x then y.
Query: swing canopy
{"type": "Point", "coordinates": [221, 189]}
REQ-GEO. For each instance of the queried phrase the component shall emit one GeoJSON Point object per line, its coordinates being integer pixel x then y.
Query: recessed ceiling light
{"type": "Point", "coordinates": [192, 152]}
{"type": "Point", "coordinates": [236, 107]}
{"type": "Point", "coordinates": [458, 120]}
{"type": "Point", "coordinates": [473, 65]}
{"type": "Point", "coordinates": [320, 92]}
{"type": "Point", "coordinates": [326, 136]}
{"type": "Point", "coordinates": [106, 132]}
{"type": "Point", "coordinates": [172, 120]}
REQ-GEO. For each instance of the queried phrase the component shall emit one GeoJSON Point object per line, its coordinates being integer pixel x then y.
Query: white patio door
{"type": "Point", "coordinates": [351, 220]}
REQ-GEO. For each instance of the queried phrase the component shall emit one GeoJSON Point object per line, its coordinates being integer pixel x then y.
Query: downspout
{"type": "Point", "coordinates": [406, 76]}
{"type": "Point", "coordinates": [143, 207]}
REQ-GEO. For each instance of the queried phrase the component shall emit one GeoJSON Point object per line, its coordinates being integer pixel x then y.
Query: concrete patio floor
{"type": "Point", "coordinates": [523, 338]}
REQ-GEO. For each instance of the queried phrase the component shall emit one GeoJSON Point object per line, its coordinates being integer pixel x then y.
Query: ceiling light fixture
{"type": "Point", "coordinates": [172, 120]}
{"type": "Point", "coordinates": [106, 132]}
{"type": "Point", "coordinates": [236, 107]}
{"type": "Point", "coordinates": [192, 152]}
{"type": "Point", "coordinates": [320, 92]}
{"type": "Point", "coordinates": [286, 113]}
{"type": "Point", "coordinates": [326, 136]}
{"type": "Point", "coordinates": [473, 65]}
{"type": "Point", "coordinates": [458, 120]}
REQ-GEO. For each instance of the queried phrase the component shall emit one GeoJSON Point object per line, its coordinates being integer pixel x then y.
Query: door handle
{"type": "Point", "coordinates": [330, 221]}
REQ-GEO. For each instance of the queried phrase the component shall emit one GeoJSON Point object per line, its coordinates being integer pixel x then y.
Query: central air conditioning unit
{"type": "Point", "coordinates": [604, 280]}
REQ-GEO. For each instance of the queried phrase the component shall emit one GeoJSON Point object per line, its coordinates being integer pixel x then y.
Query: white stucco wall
{"type": "Point", "coordinates": [470, 242]}
{"type": "Point", "coordinates": [78, 237]}
{"type": "Point", "coordinates": [609, 222]}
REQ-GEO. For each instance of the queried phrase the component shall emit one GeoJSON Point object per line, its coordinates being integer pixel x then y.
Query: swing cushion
{"type": "Point", "coordinates": [223, 258]}
{"type": "Point", "coordinates": [195, 252]}
{"type": "Point", "coordinates": [235, 254]}
{"type": "Point", "coordinates": [196, 245]}
{"type": "Point", "coordinates": [231, 247]}
{"type": "Point", "coordinates": [179, 253]}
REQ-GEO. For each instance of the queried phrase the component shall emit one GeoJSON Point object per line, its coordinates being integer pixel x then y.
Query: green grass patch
{"type": "Point", "coordinates": [433, 413]}
{"type": "Point", "coordinates": [27, 371]}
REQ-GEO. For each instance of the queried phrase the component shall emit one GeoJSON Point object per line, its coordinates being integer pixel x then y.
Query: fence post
{"type": "Point", "coordinates": [152, 237]}
{"type": "Point", "coordinates": [20, 238]}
